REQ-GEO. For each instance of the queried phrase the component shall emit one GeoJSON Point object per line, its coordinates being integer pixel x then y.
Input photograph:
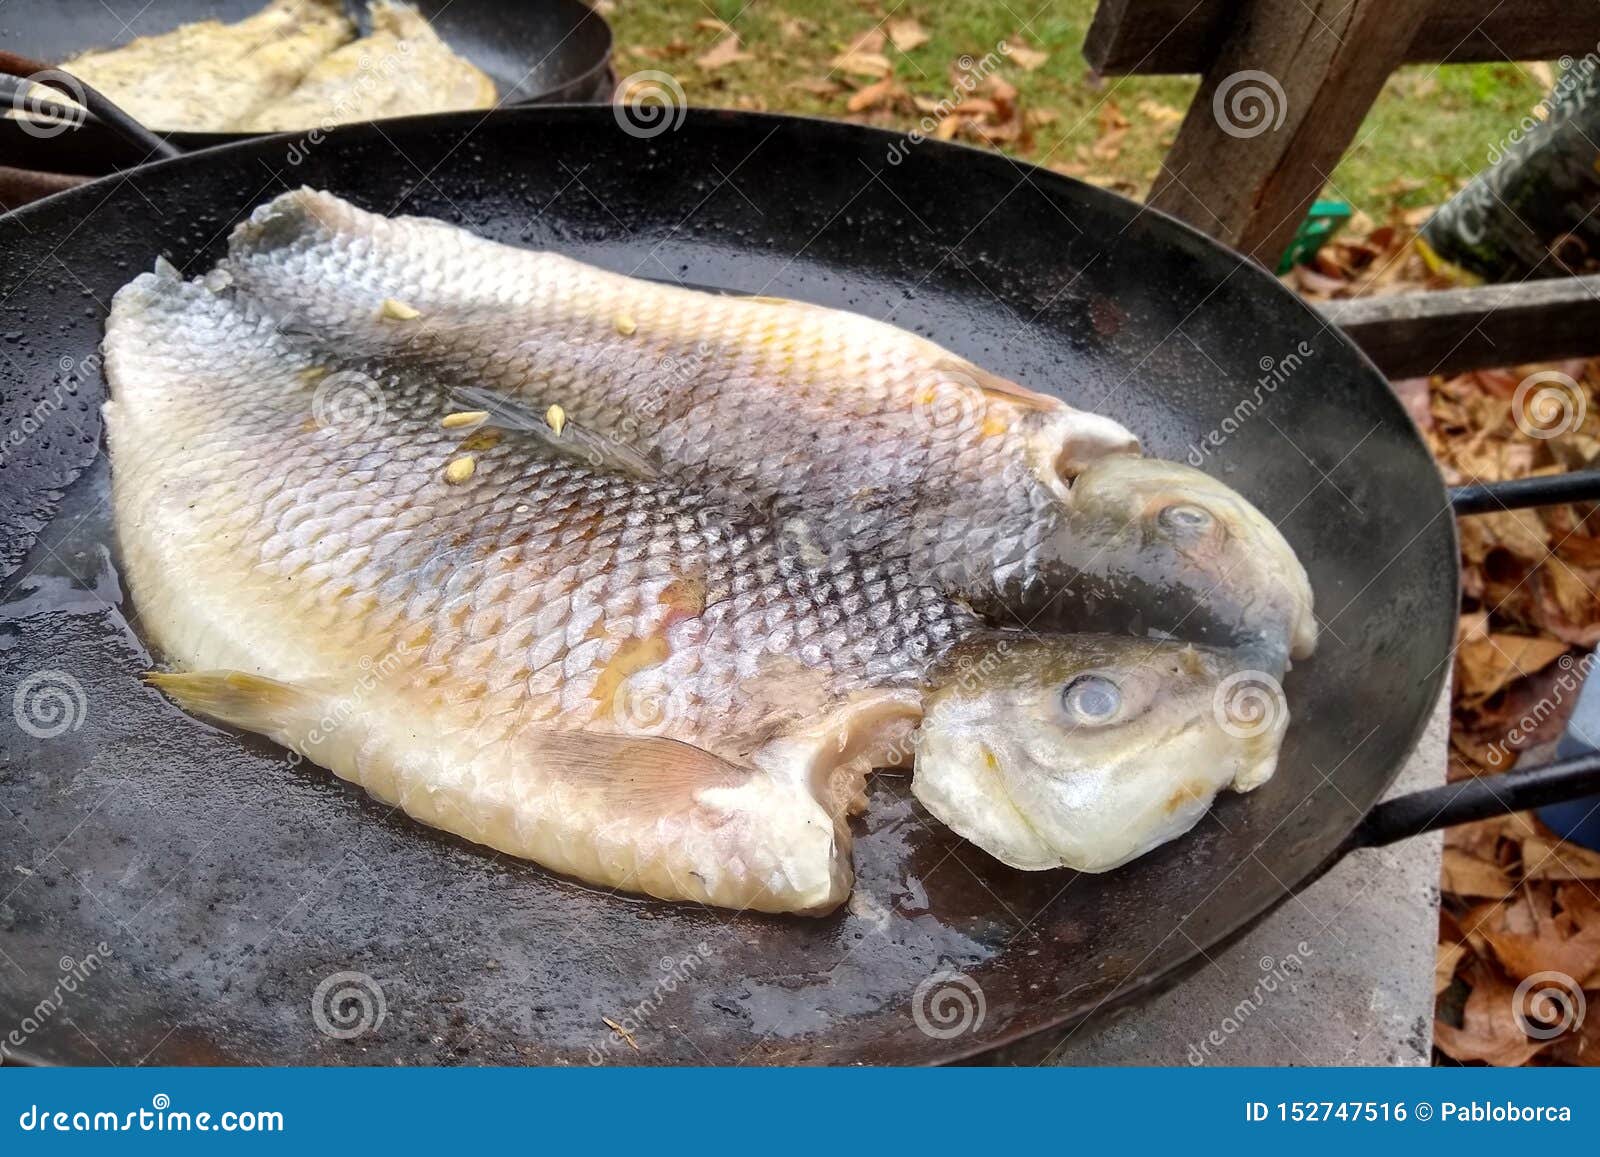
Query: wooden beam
{"type": "Point", "coordinates": [1409, 335]}
{"type": "Point", "coordinates": [1289, 88]}
{"type": "Point", "coordinates": [1155, 37]}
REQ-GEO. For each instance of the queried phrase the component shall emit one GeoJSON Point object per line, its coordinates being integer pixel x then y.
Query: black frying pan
{"type": "Point", "coordinates": [229, 884]}
{"type": "Point", "coordinates": [536, 51]}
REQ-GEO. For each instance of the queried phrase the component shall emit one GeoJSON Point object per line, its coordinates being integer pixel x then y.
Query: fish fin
{"type": "Point", "coordinates": [638, 771]}
{"type": "Point", "coordinates": [995, 386]}
{"type": "Point", "coordinates": [574, 440]}
{"type": "Point", "coordinates": [250, 702]}
{"type": "Point", "coordinates": [769, 299]}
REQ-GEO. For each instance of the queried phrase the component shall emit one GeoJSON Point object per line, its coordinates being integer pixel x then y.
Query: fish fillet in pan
{"type": "Point", "coordinates": [209, 76]}
{"type": "Point", "coordinates": [400, 68]}
{"type": "Point", "coordinates": [850, 431]}
{"type": "Point", "coordinates": [588, 662]}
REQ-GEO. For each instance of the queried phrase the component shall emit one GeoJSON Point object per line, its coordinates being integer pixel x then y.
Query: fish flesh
{"type": "Point", "coordinates": [1027, 509]}
{"type": "Point", "coordinates": [296, 64]}
{"type": "Point", "coordinates": [400, 68]}
{"type": "Point", "coordinates": [595, 665]}
{"type": "Point", "coordinates": [209, 76]}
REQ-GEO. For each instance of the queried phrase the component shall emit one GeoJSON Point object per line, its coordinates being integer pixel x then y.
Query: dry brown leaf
{"type": "Point", "coordinates": [725, 52]}
{"type": "Point", "coordinates": [818, 87]}
{"type": "Point", "coordinates": [711, 24]}
{"type": "Point", "coordinates": [1003, 92]}
{"type": "Point", "coordinates": [1547, 859]}
{"type": "Point", "coordinates": [975, 106]}
{"type": "Point", "coordinates": [872, 40]}
{"type": "Point", "coordinates": [1162, 114]}
{"type": "Point", "coordinates": [1569, 605]}
{"type": "Point", "coordinates": [1486, 665]}
{"type": "Point", "coordinates": [947, 129]}
{"type": "Point", "coordinates": [871, 96]}
{"type": "Point", "coordinates": [1489, 1030]}
{"type": "Point", "coordinates": [1524, 956]}
{"type": "Point", "coordinates": [874, 65]}
{"type": "Point", "coordinates": [1445, 961]}
{"type": "Point", "coordinates": [1522, 532]}
{"type": "Point", "coordinates": [906, 34]}
{"type": "Point", "coordinates": [1466, 875]}
{"type": "Point", "coordinates": [1028, 58]}
{"type": "Point", "coordinates": [1581, 1047]}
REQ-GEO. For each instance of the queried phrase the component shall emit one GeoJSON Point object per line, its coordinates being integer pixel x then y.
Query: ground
{"type": "Point", "coordinates": [1432, 128]}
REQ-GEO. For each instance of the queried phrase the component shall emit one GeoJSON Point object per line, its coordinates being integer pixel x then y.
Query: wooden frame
{"type": "Point", "coordinates": [1285, 87]}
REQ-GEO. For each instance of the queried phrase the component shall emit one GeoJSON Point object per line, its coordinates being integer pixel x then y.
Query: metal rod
{"type": "Point", "coordinates": [1479, 798]}
{"type": "Point", "coordinates": [1549, 490]}
{"type": "Point", "coordinates": [94, 101]}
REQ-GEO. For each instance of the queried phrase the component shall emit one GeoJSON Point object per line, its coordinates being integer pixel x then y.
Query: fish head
{"type": "Point", "coordinates": [1088, 751]}
{"type": "Point", "coordinates": [1177, 542]}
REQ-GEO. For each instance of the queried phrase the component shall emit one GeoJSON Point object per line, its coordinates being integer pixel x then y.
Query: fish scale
{"type": "Point", "coordinates": [503, 619]}
{"type": "Point", "coordinates": [847, 431]}
{"type": "Point", "coordinates": [316, 257]}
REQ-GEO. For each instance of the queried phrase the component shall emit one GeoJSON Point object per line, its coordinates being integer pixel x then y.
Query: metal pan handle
{"type": "Point", "coordinates": [1548, 490]}
{"type": "Point", "coordinates": [1520, 789]}
{"type": "Point", "coordinates": [1478, 798]}
{"type": "Point", "coordinates": [97, 103]}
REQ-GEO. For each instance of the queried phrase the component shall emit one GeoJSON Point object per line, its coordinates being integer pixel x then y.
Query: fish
{"type": "Point", "coordinates": [616, 675]}
{"type": "Point", "coordinates": [1030, 510]}
{"type": "Point", "coordinates": [400, 68]}
{"type": "Point", "coordinates": [209, 76]}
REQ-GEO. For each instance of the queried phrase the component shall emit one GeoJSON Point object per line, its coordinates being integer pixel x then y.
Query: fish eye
{"type": "Point", "coordinates": [1091, 699]}
{"type": "Point", "coordinates": [1184, 516]}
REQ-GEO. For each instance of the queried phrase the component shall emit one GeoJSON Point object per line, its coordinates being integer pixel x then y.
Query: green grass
{"type": "Point", "coordinates": [1429, 131]}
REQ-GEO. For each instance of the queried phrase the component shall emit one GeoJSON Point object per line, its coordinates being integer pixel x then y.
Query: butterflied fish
{"type": "Point", "coordinates": [210, 76]}
{"type": "Point", "coordinates": [614, 675]}
{"type": "Point", "coordinates": [850, 430]}
{"type": "Point", "coordinates": [400, 68]}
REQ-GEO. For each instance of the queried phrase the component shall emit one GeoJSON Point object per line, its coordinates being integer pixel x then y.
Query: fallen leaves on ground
{"type": "Point", "coordinates": [907, 34]}
{"type": "Point", "coordinates": [1520, 908]}
{"type": "Point", "coordinates": [726, 52]}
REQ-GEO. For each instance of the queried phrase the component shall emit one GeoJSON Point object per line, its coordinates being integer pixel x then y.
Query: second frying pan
{"type": "Point", "coordinates": [536, 51]}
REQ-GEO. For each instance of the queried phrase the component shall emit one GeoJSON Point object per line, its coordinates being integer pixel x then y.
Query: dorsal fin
{"type": "Point", "coordinates": [573, 439]}
{"type": "Point", "coordinates": [998, 387]}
